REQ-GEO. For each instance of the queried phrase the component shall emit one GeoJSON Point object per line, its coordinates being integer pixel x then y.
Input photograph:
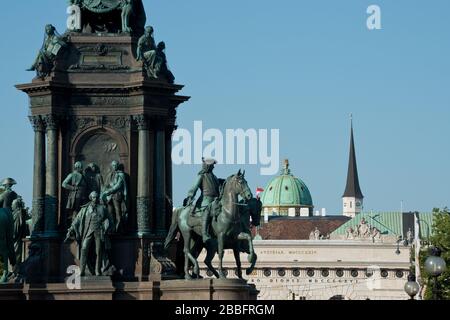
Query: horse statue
{"type": "Point", "coordinates": [226, 226]}
{"type": "Point", "coordinates": [250, 213]}
{"type": "Point", "coordinates": [7, 252]}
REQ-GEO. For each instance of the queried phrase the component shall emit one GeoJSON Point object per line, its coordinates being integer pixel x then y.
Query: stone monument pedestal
{"type": "Point", "coordinates": [11, 292]}
{"type": "Point", "coordinates": [91, 289]}
{"type": "Point", "coordinates": [104, 289]}
{"type": "Point", "coordinates": [208, 289]}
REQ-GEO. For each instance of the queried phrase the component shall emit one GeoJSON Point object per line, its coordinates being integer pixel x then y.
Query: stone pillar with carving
{"type": "Point", "coordinates": [38, 174]}
{"type": "Point", "coordinates": [143, 188]}
{"type": "Point", "coordinates": [52, 185]}
{"type": "Point", "coordinates": [160, 179]}
{"type": "Point", "coordinates": [169, 176]}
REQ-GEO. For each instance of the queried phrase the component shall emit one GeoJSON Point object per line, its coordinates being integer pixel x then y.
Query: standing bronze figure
{"type": "Point", "coordinates": [77, 185]}
{"type": "Point", "coordinates": [116, 196]}
{"type": "Point", "coordinates": [20, 228]}
{"type": "Point", "coordinates": [92, 227]}
{"type": "Point", "coordinates": [94, 178]}
{"type": "Point", "coordinates": [6, 243]}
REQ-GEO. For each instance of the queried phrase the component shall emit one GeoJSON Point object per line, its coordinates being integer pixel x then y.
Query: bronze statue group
{"type": "Point", "coordinates": [104, 214]}
{"type": "Point", "coordinates": [15, 225]}
{"type": "Point", "coordinates": [221, 218]}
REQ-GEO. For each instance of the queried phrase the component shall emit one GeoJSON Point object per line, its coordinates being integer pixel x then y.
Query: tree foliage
{"type": "Point", "coordinates": [441, 239]}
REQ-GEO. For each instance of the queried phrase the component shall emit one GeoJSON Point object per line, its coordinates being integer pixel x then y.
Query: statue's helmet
{"type": "Point", "coordinates": [149, 30]}
{"type": "Point", "coordinates": [8, 182]}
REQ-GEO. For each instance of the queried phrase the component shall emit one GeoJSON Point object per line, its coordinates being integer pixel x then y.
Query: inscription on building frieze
{"type": "Point", "coordinates": [289, 252]}
{"type": "Point", "coordinates": [41, 101]}
{"type": "Point", "coordinates": [81, 101]}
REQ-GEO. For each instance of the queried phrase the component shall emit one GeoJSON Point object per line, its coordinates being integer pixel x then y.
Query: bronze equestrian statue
{"type": "Point", "coordinates": [226, 226]}
{"type": "Point", "coordinates": [250, 213]}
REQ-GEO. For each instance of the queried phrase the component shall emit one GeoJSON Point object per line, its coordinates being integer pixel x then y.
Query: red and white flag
{"type": "Point", "coordinates": [258, 192]}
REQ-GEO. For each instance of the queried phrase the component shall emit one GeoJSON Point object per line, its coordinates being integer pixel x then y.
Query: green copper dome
{"type": "Point", "coordinates": [286, 192]}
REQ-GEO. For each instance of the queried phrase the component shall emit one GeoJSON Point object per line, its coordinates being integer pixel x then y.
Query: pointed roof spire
{"type": "Point", "coordinates": [352, 189]}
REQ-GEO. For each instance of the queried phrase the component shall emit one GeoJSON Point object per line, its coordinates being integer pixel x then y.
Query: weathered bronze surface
{"type": "Point", "coordinates": [112, 16]}
{"type": "Point", "coordinates": [21, 229]}
{"type": "Point", "coordinates": [7, 253]}
{"type": "Point", "coordinates": [153, 57]}
{"type": "Point", "coordinates": [115, 196]}
{"type": "Point", "coordinates": [209, 186]}
{"type": "Point", "coordinates": [77, 185]}
{"type": "Point", "coordinates": [7, 195]}
{"type": "Point", "coordinates": [44, 63]}
{"type": "Point", "coordinates": [105, 108]}
{"type": "Point", "coordinates": [91, 229]}
{"type": "Point", "coordinates": [229, 226]}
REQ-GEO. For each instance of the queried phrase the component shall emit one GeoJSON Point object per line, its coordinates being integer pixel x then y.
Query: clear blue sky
{"type": "Point", "coordinates": [298, 65]}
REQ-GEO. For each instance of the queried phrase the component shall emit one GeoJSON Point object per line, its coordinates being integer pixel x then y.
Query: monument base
{"type": "Point", "coordinates": [11, 292]}
{"type": "Point", "coordinates": [208, 289]}
{"type": "Point", "coordinates": [153, 290]}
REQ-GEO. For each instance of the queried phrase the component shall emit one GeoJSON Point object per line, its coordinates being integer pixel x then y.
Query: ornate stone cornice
{"type": "Point", "coordinates": [37, 123]}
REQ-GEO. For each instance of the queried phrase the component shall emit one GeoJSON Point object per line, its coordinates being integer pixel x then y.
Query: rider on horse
{"type": "Point", "coordinates": [209, 185]}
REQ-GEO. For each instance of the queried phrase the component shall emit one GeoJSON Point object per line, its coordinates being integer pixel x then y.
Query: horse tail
{"type": "Point", "coordinates": [173, 229]}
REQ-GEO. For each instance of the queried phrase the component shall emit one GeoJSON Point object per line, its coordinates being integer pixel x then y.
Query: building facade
{"type": "Point", "coordinates": [326, 270]}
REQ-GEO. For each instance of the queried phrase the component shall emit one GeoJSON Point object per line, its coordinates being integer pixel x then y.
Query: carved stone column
{"type": "Point", "coordinates": [143, 188]}
{"type": "Point", "coordinates": [169, 179]}
{"type": "Point", "coordinates": [51, 198]}
{"type": "Point", "coordinates": [38, 174]}
{"type": "Point", "coordinates": [160, 180]}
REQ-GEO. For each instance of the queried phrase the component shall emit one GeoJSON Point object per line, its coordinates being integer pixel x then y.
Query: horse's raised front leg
{"type": "Point", "coordinates": [221, 247]}
{"type": "Point", "coordinates": [237, 257]}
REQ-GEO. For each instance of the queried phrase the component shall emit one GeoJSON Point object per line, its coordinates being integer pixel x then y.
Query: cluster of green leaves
{"type": "Point", "coordinates": [441, 239]}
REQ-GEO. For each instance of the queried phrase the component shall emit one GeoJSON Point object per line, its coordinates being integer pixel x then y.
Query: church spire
{"type": "Point", "coordinates": [353, 196]}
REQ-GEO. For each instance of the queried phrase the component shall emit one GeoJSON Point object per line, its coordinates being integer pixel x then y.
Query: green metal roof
{"type": "Point", "coordinates": [286, 190]}
{"type": "Point", "coordinates": [426, 221]}
{"type": "Point", "coordinates": [389, 223]}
